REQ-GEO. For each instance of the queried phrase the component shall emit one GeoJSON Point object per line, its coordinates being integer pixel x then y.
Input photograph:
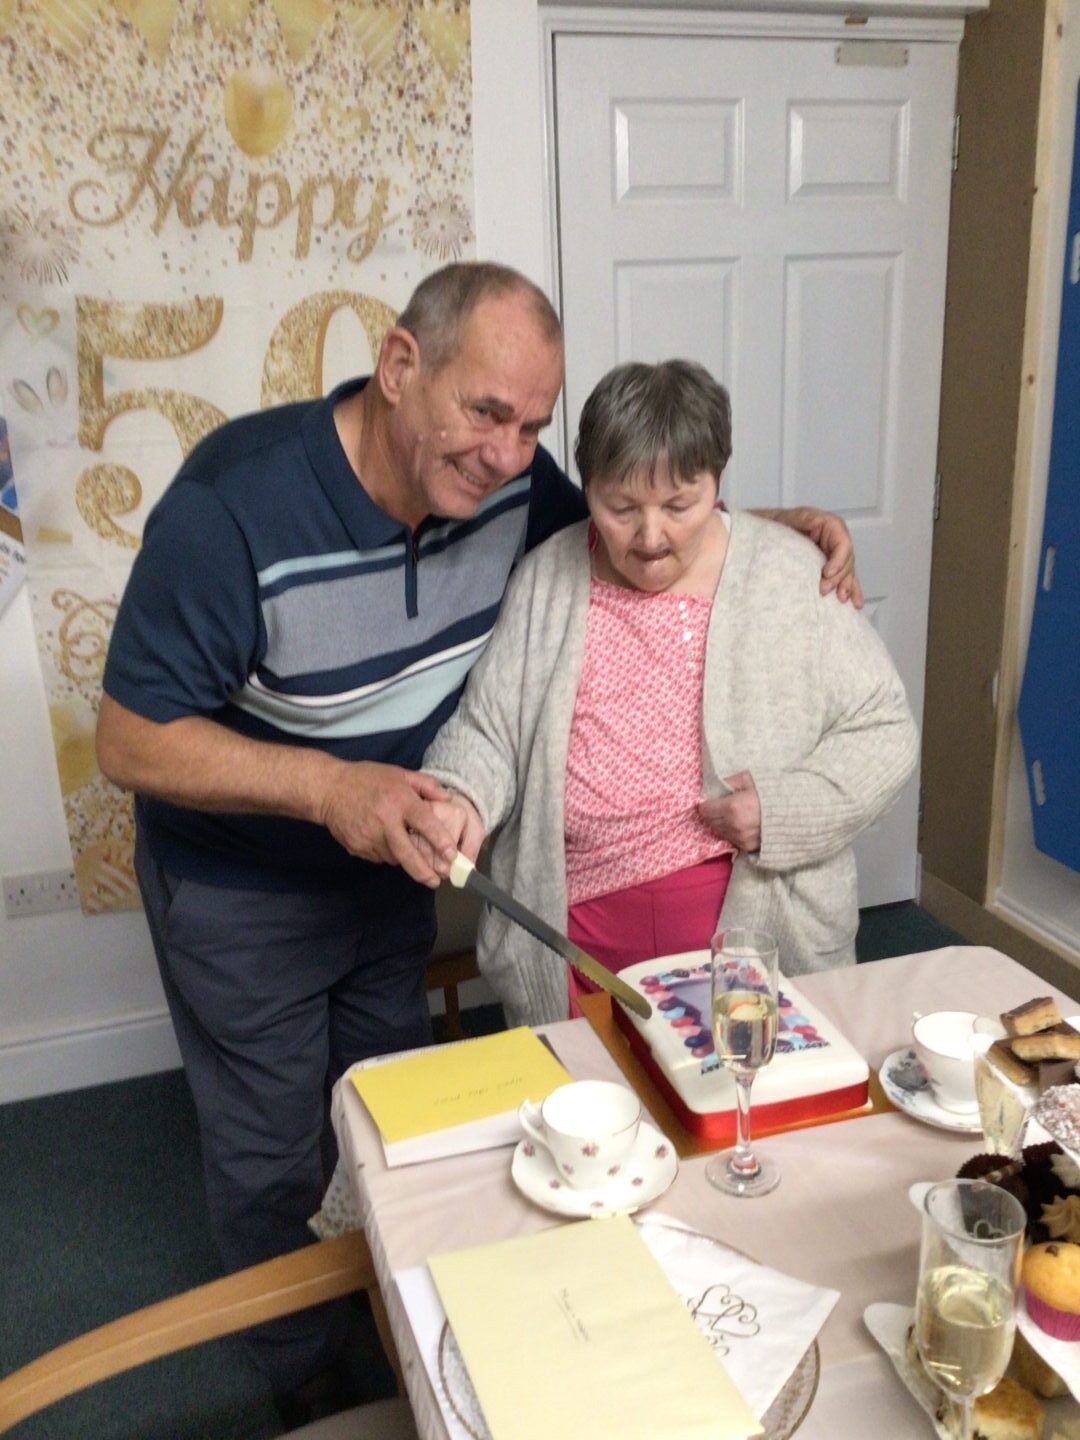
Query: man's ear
{"type": "Point", "coordinates": [398, 365]}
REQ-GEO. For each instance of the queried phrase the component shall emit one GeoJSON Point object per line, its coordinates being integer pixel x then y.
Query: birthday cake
{"type": "Point", "coordinates": [814, 1072]}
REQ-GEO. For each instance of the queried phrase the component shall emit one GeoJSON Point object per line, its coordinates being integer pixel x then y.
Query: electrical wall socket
{"type": "Point", "coordinates": [42, 893]}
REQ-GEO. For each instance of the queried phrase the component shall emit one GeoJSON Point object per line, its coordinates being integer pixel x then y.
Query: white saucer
{"type": "Point", "coordinates": [646, 1173]}
{"type": "Point", "coordinates": [920, 1104]}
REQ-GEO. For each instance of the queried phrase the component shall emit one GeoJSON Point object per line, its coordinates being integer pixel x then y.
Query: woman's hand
{"type": "Point", "coordinates": [736, 818]}
{"type": "Point", "coordinates": [460, 818]}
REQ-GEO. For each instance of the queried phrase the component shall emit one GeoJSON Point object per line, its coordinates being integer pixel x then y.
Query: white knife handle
{"type": "Point", "coordinates": [460, 870]}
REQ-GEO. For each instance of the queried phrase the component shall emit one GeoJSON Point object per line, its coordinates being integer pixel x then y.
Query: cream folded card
{"type": "Point", "coordinates": [577, 1331]}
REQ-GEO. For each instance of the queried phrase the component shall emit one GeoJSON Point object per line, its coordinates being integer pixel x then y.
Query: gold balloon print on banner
{"type": "Point", "coordinates": [258, 111]}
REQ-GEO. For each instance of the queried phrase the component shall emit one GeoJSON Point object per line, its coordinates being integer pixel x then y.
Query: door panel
{"type": "Point", "coordinates": [753, 204]}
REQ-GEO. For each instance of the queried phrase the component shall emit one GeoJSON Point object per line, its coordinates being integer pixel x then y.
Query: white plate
{"type": "Point", "coordinates": [646, 1173]}
{"type": "Point", "coordinates": [920, 1104]}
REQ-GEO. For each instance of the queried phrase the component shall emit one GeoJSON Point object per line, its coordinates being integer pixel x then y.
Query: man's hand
{"type": "Point", "coordinates": [195, 762]}
{"type": "Point", "coordinates": [832, 536]}
{"type": "Point", "coordinates": [375, 810]}
{"type": "Point", "coordinates": [736, 818]}
{"type": "Point", "coordinates": [462, 821]}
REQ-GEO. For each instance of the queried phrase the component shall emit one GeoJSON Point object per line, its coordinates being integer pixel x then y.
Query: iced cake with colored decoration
{"type": "Point", "coordinates": [815, 1071]}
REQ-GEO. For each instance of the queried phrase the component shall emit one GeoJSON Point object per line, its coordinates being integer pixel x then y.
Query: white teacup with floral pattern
{"type": "Point", "coordinates": [588, 1127]}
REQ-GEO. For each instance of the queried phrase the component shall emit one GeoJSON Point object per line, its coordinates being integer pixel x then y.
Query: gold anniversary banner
{"type": "Point", "coordinates": [206, 206]}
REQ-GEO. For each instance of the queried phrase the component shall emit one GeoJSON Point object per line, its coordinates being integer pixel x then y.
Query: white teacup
{"type": "Point", "coordinates": [588, 1127]}
{"type": "Point", "coordinates": [943, 1043]}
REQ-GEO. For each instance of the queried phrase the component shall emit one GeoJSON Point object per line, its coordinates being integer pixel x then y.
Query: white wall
{"type": "Point", "coordinates": [1038, 893]}
{"type": "Point", "coordinates": [80, 1000]}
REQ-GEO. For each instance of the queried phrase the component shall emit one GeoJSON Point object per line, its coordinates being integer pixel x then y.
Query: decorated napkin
{"type": "Point", "coordinates": [759, 1322]}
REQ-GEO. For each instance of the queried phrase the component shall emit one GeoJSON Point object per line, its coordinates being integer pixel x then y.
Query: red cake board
{"type": "Point", "coordinates": [719, 1125]}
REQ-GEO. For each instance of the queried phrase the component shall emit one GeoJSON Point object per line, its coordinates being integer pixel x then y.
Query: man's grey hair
{"type": "Point", "coordinates": [440, 306]}
{"type": "Point", "coordinates": [641, 418]}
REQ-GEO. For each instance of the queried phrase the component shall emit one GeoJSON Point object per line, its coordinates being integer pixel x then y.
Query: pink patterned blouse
{"type": "Point", "coordinates": [633, 774]}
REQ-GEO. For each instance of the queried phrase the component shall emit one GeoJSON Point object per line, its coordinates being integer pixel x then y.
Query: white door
{"type": "Point", "coordinates": [780, 215]}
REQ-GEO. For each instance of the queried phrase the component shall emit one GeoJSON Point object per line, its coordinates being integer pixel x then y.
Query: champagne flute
{"type": "Point", "coordinates": [969, 1270]}
{"type": "Point", "coordinates": [745, 970]}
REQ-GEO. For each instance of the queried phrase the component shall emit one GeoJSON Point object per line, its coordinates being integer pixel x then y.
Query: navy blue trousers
{"type": "Point", "coordinates": [272, 996]}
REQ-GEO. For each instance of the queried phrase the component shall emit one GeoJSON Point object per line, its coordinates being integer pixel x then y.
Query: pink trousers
{"type": "Point", "coordinates": [662, 917]}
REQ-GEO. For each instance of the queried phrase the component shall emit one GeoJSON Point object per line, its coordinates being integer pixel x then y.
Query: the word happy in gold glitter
{"type": "Point", "coordinates": [139, 170]}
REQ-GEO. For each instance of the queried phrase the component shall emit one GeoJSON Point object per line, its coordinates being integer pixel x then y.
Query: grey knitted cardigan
{"type": "Point", "coordinates": [798, 690]}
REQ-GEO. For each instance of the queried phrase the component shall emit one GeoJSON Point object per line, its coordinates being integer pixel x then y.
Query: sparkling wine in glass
{"type": "Point", "coordinates": [745, 973]}
{"type": "Point", "coordinates": [969, 1269]}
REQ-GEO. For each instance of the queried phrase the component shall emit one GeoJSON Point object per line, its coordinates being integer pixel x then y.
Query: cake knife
{"type": "Point", "coordinates": [464, 875]}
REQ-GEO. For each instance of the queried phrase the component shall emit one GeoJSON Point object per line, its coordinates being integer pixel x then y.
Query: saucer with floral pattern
{"type": "Point", "coordinates": [642, 1178]}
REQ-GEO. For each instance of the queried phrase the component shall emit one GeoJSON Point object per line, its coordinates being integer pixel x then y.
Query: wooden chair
{"type": "Point", "coordinates": [306, 1277]}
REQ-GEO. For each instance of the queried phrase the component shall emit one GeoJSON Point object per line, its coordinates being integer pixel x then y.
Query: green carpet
{"type": "Point", "coordinates": [901, 929]}
{"type": "Point", "coordinates": [102, 1211]}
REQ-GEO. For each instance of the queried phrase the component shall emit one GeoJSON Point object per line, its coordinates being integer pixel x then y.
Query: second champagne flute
{"type": "Point", "coordinates": [745, 974]}
{"type": "Point", "coordinates": [969, 1269]}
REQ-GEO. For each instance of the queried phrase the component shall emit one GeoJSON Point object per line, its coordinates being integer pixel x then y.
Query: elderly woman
{"type": "Point", "coordinates": [670, 720]}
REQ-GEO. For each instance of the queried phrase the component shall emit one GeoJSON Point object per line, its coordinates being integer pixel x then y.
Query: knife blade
{"type": "Point", "coordinates": [464, 875]}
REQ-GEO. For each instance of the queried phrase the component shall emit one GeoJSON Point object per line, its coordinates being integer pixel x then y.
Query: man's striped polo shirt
{"type": "Point", "coordinates": [272, 595]}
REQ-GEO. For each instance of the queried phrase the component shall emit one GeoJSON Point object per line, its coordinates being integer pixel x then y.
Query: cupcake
{"type": "Point", "coordinates": [1051, 1276]}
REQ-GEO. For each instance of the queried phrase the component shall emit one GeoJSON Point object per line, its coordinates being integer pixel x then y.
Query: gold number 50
{"type": "Point", "coordinates": [293, 370]}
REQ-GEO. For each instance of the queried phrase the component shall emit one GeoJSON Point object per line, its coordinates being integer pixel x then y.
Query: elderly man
{"type": "Point", "coordinates": [312, 591]}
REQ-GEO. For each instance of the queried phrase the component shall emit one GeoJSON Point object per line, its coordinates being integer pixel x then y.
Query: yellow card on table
{"type": "Point", "coordinates": [577, 1331]}
{"type": "Point", "coordinates": [456, 1098]}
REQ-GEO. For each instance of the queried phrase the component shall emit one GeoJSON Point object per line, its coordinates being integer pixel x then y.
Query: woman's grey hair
{"type": "Point", "coordinates": [640, 418]}
{"type": "Point", "coordinates": [440, 306]}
